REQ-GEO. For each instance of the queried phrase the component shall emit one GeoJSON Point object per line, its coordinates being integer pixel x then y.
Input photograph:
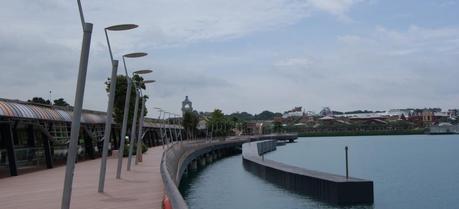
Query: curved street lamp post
{"type": "Point", "coordinates": [126, 111]}
{"type": "Point", "coordinates": [134, 118]}
{"type": "Point", "coordinates": [78, 105]}
{"type": "Point", "coordinates": [141, 121]}
{"type": "Point", "coordinates": [111, 100]}
{"type": "Point", "coordinates": [160, 126]}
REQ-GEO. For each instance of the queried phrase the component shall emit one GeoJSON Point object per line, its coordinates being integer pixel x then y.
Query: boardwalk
{"type": "Point", "coordinates": [140, 188]}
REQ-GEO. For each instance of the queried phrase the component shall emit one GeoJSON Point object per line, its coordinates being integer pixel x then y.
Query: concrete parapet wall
{"type": "Point", "coordinates": [323, 186]}
{"type": "Point", "coordinates": [181, 155]}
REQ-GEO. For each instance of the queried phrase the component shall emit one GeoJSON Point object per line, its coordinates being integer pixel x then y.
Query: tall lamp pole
{"type": "Point", "coordinates": [170, 126]}
{"type": "Point", "coordinates": [139, 136]}
{"type": "Point", "coordinates": [78, 105]}
{"type": "Point", "coordinates": [160, 125]}
{"type": "Point", "coordinates": [177, 123]}
{"type": "Point", "coordinates": [141, 121]}
{"type": "Point", "coordinates": [126, 111]}
{"type": "Point", "coordinates": [163, 130]}
{"type": "Point", "coordinates": [134, 118]}
{"type": "Point", "coordinates": [111, 100]}
{"type": "Point", "coordinates": [134, 121]}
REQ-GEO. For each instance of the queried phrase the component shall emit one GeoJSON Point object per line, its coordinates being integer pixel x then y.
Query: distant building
{"type": "Point", "coordinates": [187, 105]}
{"type": "Point", "coordinates": [295, 112]}
{"type": "Point", "coordinates": [310, 113]}
{"type": "Point", "coordinates": [398, 112]}
{"type": "Point", "coordinates": [452, 113]}
{"type": "Point", "coordinates": [326, 111]}
{"type": "Point", "coordinates": [428, 116]}
{"type": "Point", "coordinates": [254, 128]}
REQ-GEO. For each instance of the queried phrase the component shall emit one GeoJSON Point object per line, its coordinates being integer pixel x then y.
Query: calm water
{"type": "Point", "coordinates": [419, 171]}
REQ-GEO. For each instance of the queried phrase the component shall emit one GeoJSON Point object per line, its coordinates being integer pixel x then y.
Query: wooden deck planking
{"type": "Point", "coordinates": [139, 188]}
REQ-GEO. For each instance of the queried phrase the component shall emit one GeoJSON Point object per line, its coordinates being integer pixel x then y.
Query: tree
{"type": "Point", "coordinates": [242, 115]}
{"type": "Point", "coordinates": [220, 124]}
{"type": "Point", "coordinates": [61, 102]}
{"type": "Point", "coordinates": [39, 100]}
{"type": "Point", "coordinates": [277, 126]}
{"type": "Point", "coordinates": [120, 97]}
{"type": "Point", "coordinates": [267, 115]}
{"type": "Point", "coordinates": [190, 122]}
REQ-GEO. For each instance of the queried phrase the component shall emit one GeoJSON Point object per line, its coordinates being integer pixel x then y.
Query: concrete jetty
{"type": "Point", "coordinates": [327, 187]}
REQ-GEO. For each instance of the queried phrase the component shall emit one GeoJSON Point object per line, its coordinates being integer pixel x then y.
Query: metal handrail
{"type": "Point", "coordinates": [171, 182]}
{"type": "Point", "coordinates": [171, 189]}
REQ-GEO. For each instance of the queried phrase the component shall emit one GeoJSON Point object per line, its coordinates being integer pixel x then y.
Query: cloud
{"type": "Point", "coordinates": [292, 62]}
{"type": "Point", "coordinates": [41, 43]}
{"type": "Point", "coordinates": [386, 68]}
{"type": "Point", "coordinates": [337, 7]}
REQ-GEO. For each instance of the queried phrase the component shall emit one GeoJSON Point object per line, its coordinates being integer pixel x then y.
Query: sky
{"type": "Point", "coordinates": [241, 55]}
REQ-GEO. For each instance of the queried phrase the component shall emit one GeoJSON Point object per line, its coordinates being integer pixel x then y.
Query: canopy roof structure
{"type": "Point", "coordinates": [25, 110]}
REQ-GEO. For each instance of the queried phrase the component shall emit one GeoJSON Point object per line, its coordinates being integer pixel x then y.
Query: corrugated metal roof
{"type": "Point", "coordinates": [65, 115]}
{"type": "Point", "coordinates": [18, 109]}
{"type": "Point", "coordinates": [22, 110]}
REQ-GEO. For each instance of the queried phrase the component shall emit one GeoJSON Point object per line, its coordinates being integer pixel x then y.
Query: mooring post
{"type": "Point", "coordinates": [347, 164]}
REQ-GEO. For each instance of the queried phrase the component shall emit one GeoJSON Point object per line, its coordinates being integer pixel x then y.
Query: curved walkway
{"type": "Point", "coordinates": [139, 188]}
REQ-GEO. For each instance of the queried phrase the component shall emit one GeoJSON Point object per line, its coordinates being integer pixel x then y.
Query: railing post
{"type": "Point", "coordinates": [347, 164]}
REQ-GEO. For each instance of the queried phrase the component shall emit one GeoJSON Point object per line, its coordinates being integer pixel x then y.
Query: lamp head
{"type": "Point", "coordinates": [135, 55]}
{"type": "Point", "coordinates": [143, 71]}
{"type": "Point", "coordinates": [148, 81]}
{"type": "Point", "coordinates": [122, 27]}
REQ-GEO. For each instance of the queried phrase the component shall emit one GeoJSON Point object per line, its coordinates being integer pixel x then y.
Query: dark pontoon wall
{"type": "Point", "coordinates": [324, 186]}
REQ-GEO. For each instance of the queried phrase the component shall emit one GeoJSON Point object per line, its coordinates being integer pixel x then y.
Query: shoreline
{"type": "Point", "coordinates": [368, 133]}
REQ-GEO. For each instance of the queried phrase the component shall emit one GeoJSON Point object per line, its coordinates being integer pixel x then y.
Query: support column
{"type": "Point", "coordinates": [47, 149]}
{"type": "Point", "coordinates": [202, 161]}
{"type": "Point", "coordinates": [88, 146]}
{"type": "Point", "coordinates": [15, 132]}
{"type": "Point", "coordinates": [115, 141]}
{"type": "Point", "coordinates": [209, 158]}
{"type": "Point", "coordinates": [30, 136]}
{"type": "Point", "coordinates": [7, 135]}
{"type": "Point", "coordinates": [153, 141]}
{"type": "Point", "coordinates": [194, 165]}
{"type": "Point", "coordinates": [220, 153]}
{"type": "Point", "coordinates": [31, 141]}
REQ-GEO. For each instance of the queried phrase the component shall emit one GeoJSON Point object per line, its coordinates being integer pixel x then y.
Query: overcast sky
{"type": "Point", "coordinates": [242, 55]}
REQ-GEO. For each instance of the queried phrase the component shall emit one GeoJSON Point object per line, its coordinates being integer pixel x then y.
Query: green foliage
{"type": "Point", "coordinates": [265, 115]}
{"type": "Point", "coordinates": [242, 116]}
{"type": "Point", "coordinates": [221, 124]}
{"type": "Point", "coordinates": [120, 97]}
{"type": "Point", "coordinates": [217, 115]}
{"type": "Point", "coordinates": [61, 102]}
{"type": "Point", "coordinates": [134, 149]}
{"type": "Point", "coordinates": [190, 122]}
{"type": "Point", "coordinates": [277, 126]}
{"type": "Point", "coordinates": [40, 100]}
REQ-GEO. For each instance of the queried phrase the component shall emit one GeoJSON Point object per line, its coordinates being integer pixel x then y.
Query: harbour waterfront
{"type": "Point", "coordinates": [415, 171]}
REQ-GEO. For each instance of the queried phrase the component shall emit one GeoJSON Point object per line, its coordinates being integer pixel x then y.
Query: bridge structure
{"type": "Point", "coordinates": [36, 136]}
